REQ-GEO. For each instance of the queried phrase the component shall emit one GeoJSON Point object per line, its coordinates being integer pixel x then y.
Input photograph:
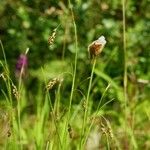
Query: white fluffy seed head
{"type": "Point", "coordinates": [101, 40]}
{"type": "Point", "coordinates": [96, 47]}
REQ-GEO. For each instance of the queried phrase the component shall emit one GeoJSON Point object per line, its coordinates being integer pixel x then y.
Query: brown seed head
{"type": "Point", "coordinates": [52, 37]}
{"type": "Point", "coordinates": [53, 82]}
{"type": "Point", "coordinates": [15, 92]}
{"type": "Point", "coordinates": [96, 47]}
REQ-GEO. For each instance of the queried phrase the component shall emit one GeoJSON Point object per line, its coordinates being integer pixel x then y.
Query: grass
{"type": "Point", "coordinates": [82, 142]}
{"type": "Point", "coordinates": [74, 74]}
{"type": "Point", "coordinates": [55, 121]}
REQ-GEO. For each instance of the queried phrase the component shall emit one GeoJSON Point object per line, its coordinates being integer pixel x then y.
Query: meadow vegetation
{"type": "Point", "coordinates": [59, 90]}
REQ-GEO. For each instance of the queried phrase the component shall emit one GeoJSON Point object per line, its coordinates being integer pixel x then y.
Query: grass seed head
{"type": "Point", "coordinates": [52, 37]}
{"type": "Point", "coordinates": [53, 82]}
{"type": "Point", "coordinates": [106, 128]}
{"type": "Point", "coordinates": [84, 105]}
{"type": "Point", "coordinates": [72, 133]}
{"type": "Point", "coordinates": [70, 130]}
{"type": "Point", "coordinates": [3, 76]}
{"type": "Point", "coordinates": [15, 92]}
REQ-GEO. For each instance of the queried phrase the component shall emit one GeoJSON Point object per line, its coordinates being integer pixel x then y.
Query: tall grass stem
{"type": "Point", "coordinates": [125, 62]}
{"type": "Point", "coordinates": [86, 106]}
{"type": "Point", "coordinates": [74, 74]}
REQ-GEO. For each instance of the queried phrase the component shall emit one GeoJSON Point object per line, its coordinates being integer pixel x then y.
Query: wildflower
{"type": "Point", "coordinates": [21, 65]}
{"type": "Point", "coordinates": [96, 47]}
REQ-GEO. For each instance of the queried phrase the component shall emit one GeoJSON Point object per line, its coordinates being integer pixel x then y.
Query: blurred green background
{"type": "Point", "coordinates": [29, 23]}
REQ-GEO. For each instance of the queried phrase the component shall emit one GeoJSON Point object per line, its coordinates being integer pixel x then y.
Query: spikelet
{"type": "Point", "coordinates": [84, 105]}
{"type": "Point", "coordinates": [109, 129]}
{"type": "Point", "coordinates": [3, 76]}
{"type": "Point", "coordinates": [52, 37]}
{"type": "Point", "coordinates": [15, 92]}
{"type": "Point", "coordinates": [103, 129]}
{"type": "Point", "coordinates": [53, 82]}
{"type": "Point", "coordinates": [95, 120]}
{"type": "Point", "coordinates": [72, 133]}
{"type": "Point", "coordinates": [106, 128]}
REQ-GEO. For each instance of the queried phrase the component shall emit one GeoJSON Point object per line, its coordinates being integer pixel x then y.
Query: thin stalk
{"type": "Point", "coordinates": [96, 113]}
{"type": "Point", "coordinates": [5, 60]}
{"type": "Point", "coordinates": [76, 56]}
{"type": "Point", "coordinates": [86, 104]}
{"type": "Point", "coordinates": [47, 146]}
{"type": "Point", "coordinates": [54, 119]}
{"type": "Point", "coordinates": [108, 145]}
{"type": "Point", "coordinates": [47, 97]}
{"type": "Point", "coordinates": [64, 43]}
{"type": "Point", "coordinates": [125, 62]}
{"type": "Point", "coordinates": [57, 101]}
{"type": "Point", "coordinates": [19, 99]}
{"type": "Point", "coordinates": [5, 66]}
{"type": "Point", "coordinates": [74, 75]}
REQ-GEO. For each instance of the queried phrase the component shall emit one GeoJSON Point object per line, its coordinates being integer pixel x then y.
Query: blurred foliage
{"type": "Point", "coordinates": [28, 23]}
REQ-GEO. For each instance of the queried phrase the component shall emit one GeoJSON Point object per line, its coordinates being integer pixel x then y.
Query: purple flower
{"type": "Point", "coordinates": [21, 65]}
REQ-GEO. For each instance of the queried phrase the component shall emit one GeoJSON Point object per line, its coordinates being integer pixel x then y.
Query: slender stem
{"type": "Point", "coordinates": [4, 56]}
{"type": "Point", "coordinates": [125, 62]}
{"type": "Point", "coordinates": [57, 102]}
{"type": "Point", "coordinates": [54, 119]}
{"type": "Point", "coordinates": [5, 66]}
{"type": "Point", "coordinates": [64, 43]}
{"type": "Point", "coordinates": [74, 75]}
{"type": "Point", "coordinates": [19, 99]}
{"type": "Point", "coordinates": [76, 56]}
{"type": "Point", "coordinates": [86, 105]}
{"type": "Point", "coordinates": [95, 114]}
{"type": "Point", "coordinates": [108, 145]}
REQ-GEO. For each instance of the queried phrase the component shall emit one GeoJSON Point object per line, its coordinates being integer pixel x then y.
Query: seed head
{"type": "Point", "coordinates": [53, 82]}
{"type": "Point", "coordinates": [52, 37]}
{"type": "Point", "coordinates": [15, 92]}
{"type": "Point", "coordinates": [72, 133]}
{"type": "Point", "coordinates": [96, 47]}
{"type": "Point", "coordinates": [3, 76]}
{"type": "Point", "coordinates": [106, 128]}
